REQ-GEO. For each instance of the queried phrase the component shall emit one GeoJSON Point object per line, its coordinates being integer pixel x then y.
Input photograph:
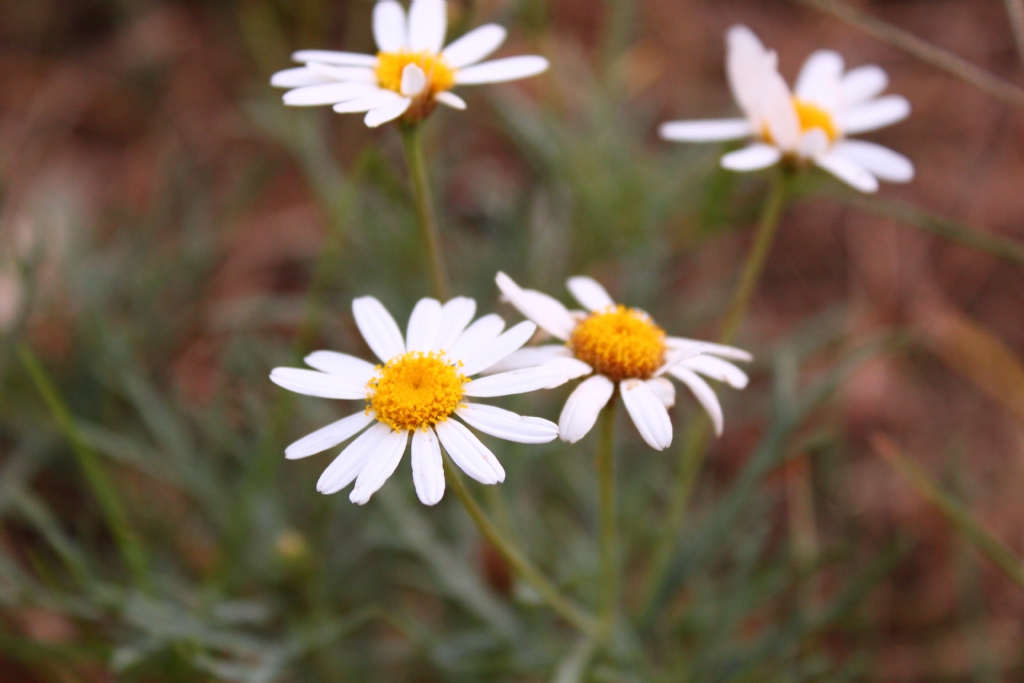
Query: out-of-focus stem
{"type": "Point", "coordinates": [412, 142]}
{"type": "Point", "coordinates": [609, 530]}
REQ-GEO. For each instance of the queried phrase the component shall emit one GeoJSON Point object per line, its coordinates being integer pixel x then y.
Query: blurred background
{"type": "Point", "coordinates": [169, 232]}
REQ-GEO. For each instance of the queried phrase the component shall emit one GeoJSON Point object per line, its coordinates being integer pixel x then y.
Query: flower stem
{"type": "Point", "coordinates": [609, 538]}
{"type": "Point", "coordinates": [698, 431]}
{"type": "Point", "coordinates": [564, 606]}
{"type": "Point", "coordinates": [412, 142]}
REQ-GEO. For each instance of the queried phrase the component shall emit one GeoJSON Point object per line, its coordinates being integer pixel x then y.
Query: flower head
{"type": "Point", "coordinates": [619, 347]}
{"type": "Point", "coordinates": [423, 383]}
{"type": "Point", "coordinates": [410, 74]}
{"type": "Point", "coordinates": [810, 124]}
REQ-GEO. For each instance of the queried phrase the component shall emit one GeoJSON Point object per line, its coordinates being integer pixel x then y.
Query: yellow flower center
{"type": "Point", "coordinates": [619, 343]}
{"type": "Point", "coordinates": [810, 116]}
{"type": "Point", "coordinates": [390, 65]}
{"type": "Point", "coordinates": [415, 390]}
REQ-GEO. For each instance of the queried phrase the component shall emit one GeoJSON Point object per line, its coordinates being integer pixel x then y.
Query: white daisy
{"type": "Point", "coordinates": [620, 347]}
{"type": "Point", "coordinates": [810, 126]}
{"type": "Point", "coordinates": [423, 382]}
{"type": "Point", "coordinates": [410, 74]}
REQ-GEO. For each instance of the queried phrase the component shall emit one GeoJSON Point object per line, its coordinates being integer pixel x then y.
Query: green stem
{"type": "Point", "coordinates": [565, 607]}
{"type": "Point", "coordinates": [103, 487]}
{"type": "Point", "coordinates": [609, 532]}
{"type": "Point", "coordinates": [411, 140]}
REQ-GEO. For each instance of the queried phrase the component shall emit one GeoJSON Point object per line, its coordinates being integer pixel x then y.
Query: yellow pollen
{"type": "Point", "coordinates": [415, 390]}
{"type": "Point", "coordinates": [390, 65]}
{"type": "Point", "coordinates": [810, 116]}
{"type": "Point", "coordinates": [619, 343]}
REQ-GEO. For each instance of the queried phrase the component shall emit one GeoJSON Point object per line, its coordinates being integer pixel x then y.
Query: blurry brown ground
{"type": "Point", "coordinates": [78, 129]}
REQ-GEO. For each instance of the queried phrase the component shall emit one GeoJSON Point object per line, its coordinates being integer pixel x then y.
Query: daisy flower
{"type": "Point", "coordinates": [423, 383]}
{"type": "Point", "coordinates": [808, 125]}
{"type": "Point", "coordinates": [410, 74]}
{"type": "Point", "coordinates": [619, 347]}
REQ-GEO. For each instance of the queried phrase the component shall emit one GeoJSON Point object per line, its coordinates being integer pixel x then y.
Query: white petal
{"type": "Point", "coordinates": [570, 368]}
{"type": "Point", "coordinates": [476, 338]}
{"type": "Point", "coordinates": [589, 293]}
{"type": "Point", "coordinates": [664, 390]}
{"type": "Point", "coordinates": [542, 309]}
{"type": "Point", "coordinates": [505, 424]}
{"type": "Point", "coordinates": [472, 457]}
{"type": "Point", "coordinates": [502, 70]}
{"type": "Point", "coordinates": [813, 144]}
{"type": "Point", "coordinates": [704, 394]}
{"type": "Point", "coordinates": [331, 93]}
{"type": "Point", "coordinates": [718, 369]}
{"type": "Point", "coordinates": [334, 363]}
{"type": "Point", "coordinates": [530, 357]}
{"type": "Point", "coordinates": [389, 29]}
{"type": "Point", "coordinates": [876, 114]}
{"type": "Point", "coordinates": [747, 64]}
{"type": "Point", "coordinates": [428, 23]}
{"type": "Point", "coordinates": [474, 46]}
{"type": "Point", "coordinates": [379, 467]}
{"type": "Point", "coordinates": [546, 376]}
{"type": "Point", "coordinates": [752, 157]}
{"type": "Point", "coordinates": [424, 322]}
{"type": "Point", "coordinates": [779, 113]}
{"type": "Point", "coordinates": [881, 161]}
{"type": "Point", "coordinates": [707, 130]}
{"type": "Point", "coordinates": [584, 404]}
{"type": "Point", "coordinates": [414, 80]}
{"type": "Point", "coordinates": [297, 78]}
{"type": "Point", "coordinates": [329, 436]}
{"type": "Point", "coordinates": [313, 383]}
{"type": "Point", "coordinates": [384, 113]}
{"type": "Point", "coordinates": [820, 77]}
{"type": "Point", "coordinates": [370, 101]}
{"type": "Point", "coordinates": [500, 348]}
{"type": "Point", "coordinates": [455, 315]}
{"type": "Point", "coordinates": [864, 83]}
{"type": "Point", "coordinates": [850, 172]}
{"type": "Point", "coordinates": [648, 413]}
{"type": "Point", "coordinates": [450, 99]}
{"type": "Point", "coordinates": [720, 350]}
{"type": "Point", "coordinates": [345, 74]}
{"type": "Point", "coordinates": [332, 57]}
{"type": "Point", "coordinates": [427, 467]}
{"type": "Point", "coordinates": [345, 468]}
{"type": "Point", "coordinates": [378, 328]}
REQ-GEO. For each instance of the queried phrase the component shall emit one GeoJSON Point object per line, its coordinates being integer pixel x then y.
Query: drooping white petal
{"type": "Point", "coordinates": [864, 83]}
{"type": "Point", "coordinates": [664, 390]}
{"type": "Point", "coordinates": [583, 406]}
{"type": "Point", "coordinates": [548, 313]}
{"type": "Point", "coordinates": [450, 99]}
{"type": "Point", "coordinates": [849, 171]}
{"type": "Point", "coordinates": [779, 113]}
{"type": "Point", "coordinates": [500, 348]}
{"type": "Point", "coordinates": [331, 93]}
{"type": "Point", "coordinates": [455, 315]}
{"type": "Point", "coordinates": [329, 436]}
{"type": "Point", "coordinates": [298, 77]}
{"type": "Point", "coordinates": [379, 467]}
{"type": "Point", "coordinates": [428, 23]}
{"type": "Point", "coordinates": [389, 30]}
{"type": "Point", "coordinates": [547, 376]}
{"type": "Point", "coordinates": [345, 74]}
{"type": "Point", "coordinates": [876, 114]}
{"type": "Point", "coordinates": [648, 413]}
{"type": "Point", "coordinates": [387, 112]}
{"type": "Point", "coordinates": [474, 46]}
{"type": "Point", "coordinates": [530, 357]}
{"type": "Point", "coordinates": [504, 424]}
{"type": "Point", "coordinates": [752, 157]}
{"type": "Point", "coordinates": [747, 64]}
{"type": "Point", "coordinates": [314, 383]}
{"type": "Point", "coordinates": [334, 363]}
{"type": "Point", "coordinates": [706, 130]}
{"type": "Point", "coordinates": [414, 80]}
{"type": "Point", "coordinates": [469, 453]}
{"type": "Point", "coordinates": [346, 467]}
{"type": "Point", "coordinates": [502, 70]}
{"type": "Point", "coordinates": [476, 337]}
{"type": "Point", "coordinates": [427, 466]}
{"type": "Point", "coordinates": [378, 328]}
{"type": "Point", "coordinates": [881, 161]}
{"type": "Point", "coordinates": [370, 101]}
{"type": "Point", "coordinates": [704, 394]}
{"type": "Point", "coordinates": [424, 322]}
{"type": "Point", "coordinates": [589, 292]}
{"type": "Point", "coordinates": [820, 77]}
{"type": "Point", "coordinates": [718, 369]}
{"type": "Point", "coordinates": [333, 57]}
